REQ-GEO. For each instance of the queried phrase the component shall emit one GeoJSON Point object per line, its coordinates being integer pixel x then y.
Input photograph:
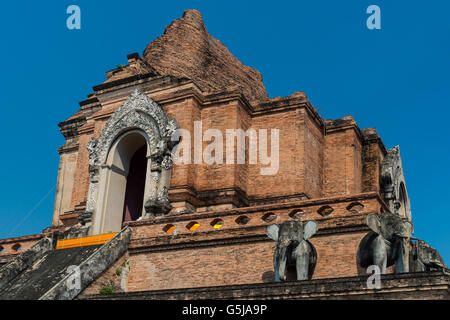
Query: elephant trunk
{"type": "Point", "coordinates": [402, 256]}
{"type": "Point", "coordinates": [280, 262]}
{"type": "Point", "coordinates": [302, 255]}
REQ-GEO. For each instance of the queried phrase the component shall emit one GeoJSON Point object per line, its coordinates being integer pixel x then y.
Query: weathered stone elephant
{"type": "Point", "coordinates": [425, 258]}
{"type": "Point", "coordinates": [293, 248]}
{"type": "Point", "coordinates": [387, 244]}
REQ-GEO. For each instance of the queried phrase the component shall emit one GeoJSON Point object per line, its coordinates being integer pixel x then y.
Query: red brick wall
{"type": "Point", "coordinates": [235, 264]}
{"type": "Point", "coordinates": [185, 112]}
{"type": "Point", "coordinates": [343, 163]}
{"type": "Point", "coordinates": [160, 261]}
{"type": "Point", "coordinates": [309, 162]}
{"type": "Point", "coordinates": [81, 180]}
{"type": "Point", "coordinates": [227, 265]}
{"type": "Point", "coordinates": [320, 166]}
{"type": "Point", "coordinates": [200, 267]}
{"type": "Point", "coordinates": [290, 176]}
{"type": "Point", "coordinates": [314, 158]}
{"type": "Point", "coordinates": [217, 176]}
{"type": "Point", "coordinates": [336, 255]}
{"type": "Point", "coordinates": [372, 156]}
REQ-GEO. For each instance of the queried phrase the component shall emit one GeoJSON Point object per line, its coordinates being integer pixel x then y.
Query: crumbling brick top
{"type": "Point", "coordinates": [187, 50]}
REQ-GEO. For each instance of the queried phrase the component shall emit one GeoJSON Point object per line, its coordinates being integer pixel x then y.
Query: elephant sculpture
{"type": "Point", "coordinates": [293, 248]}
{"type": "Point", "coordinates": [425, 258]}
{"type": "Point", "coordinates": [387, 244]}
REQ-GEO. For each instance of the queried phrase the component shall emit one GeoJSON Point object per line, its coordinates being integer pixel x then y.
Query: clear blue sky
{"type": "Point", "coordinates": [396, 79]}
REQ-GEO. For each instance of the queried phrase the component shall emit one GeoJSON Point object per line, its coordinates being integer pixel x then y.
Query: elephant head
{"type": "Point", "coordinates": [425, 258]}
{"type": "Point", "coordinates": [293, 247]}
{"type": "Point", "coordinates": [387, 243]}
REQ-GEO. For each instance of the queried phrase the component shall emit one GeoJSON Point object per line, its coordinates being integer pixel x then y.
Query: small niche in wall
{"type": "Point", "coordinates": [242, 220]}
{"type": "Point", "coordinates": [269, 217]}
{"type": "Point", "coordinates": [296, 214]}
{"type": "Point", "coordinates": [169, 229]}
{"type": "Point", "coordinates": [192, 226]}
{"type": "Point", "coordinates": [355, 207]}
{"type": "Point", "coordinates": [217, 223]}
{"type": "Point", "coordinates": [325, 211]}
{"type": "Point", "coordinates": [17, 247]}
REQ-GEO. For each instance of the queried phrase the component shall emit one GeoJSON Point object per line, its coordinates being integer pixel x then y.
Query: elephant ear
{"type": "Point", "coordinates": [272, 231]}
{"type": "Point", "coordinates": [373, 221]}
{"type": "Point", "coordinates": [309, 229]}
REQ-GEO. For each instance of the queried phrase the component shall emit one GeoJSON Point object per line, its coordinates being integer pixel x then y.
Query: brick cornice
{"type": "Point", "coordinates": [69, 148]}
{"type": "Point", "coordinates": [205, 99]}
{"type": "Point", "coordinates": [260, 208]}
{"type": "Point", "coordinates": [110, 86]}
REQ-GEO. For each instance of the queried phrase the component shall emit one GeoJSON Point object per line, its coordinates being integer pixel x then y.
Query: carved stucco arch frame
{"type": "Point", "coordinates": [139, 113]}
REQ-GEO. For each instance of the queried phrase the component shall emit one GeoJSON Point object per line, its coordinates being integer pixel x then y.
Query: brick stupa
{"type": "Point", "coordinates": [141, 227]}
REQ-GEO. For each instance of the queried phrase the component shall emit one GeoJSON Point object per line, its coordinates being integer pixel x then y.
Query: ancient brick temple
{"type": "Point", "coordinates": [141, 224]}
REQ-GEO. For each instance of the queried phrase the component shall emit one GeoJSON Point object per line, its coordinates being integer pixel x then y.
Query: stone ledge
{"type": "Point", "coordinates": [422, 285]}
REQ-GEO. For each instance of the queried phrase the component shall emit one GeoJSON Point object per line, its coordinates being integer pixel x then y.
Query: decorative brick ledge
{"type": "Point", "coordinates": [261, 208]}
{"type": "Point", "coordinates": [220, 238]}
{"type": "Point", "coordinates": [249, 223]}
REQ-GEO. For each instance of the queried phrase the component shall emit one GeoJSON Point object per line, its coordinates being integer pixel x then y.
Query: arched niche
{"type": "Point", "coordinates": [137, 123]}
{"type": "Point", "coordinates": [114, 174]}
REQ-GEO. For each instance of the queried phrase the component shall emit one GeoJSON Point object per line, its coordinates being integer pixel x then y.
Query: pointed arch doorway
{"type": "Point", "coordinates": [134, 191]}
{"type": "Point", "coordinates": [124, 180]}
